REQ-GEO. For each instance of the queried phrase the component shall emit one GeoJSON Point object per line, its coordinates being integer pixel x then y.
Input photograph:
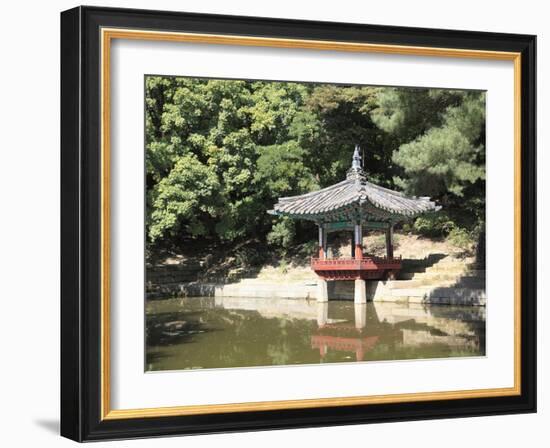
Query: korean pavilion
{"type": "Point", "coordinates": [354, 204]}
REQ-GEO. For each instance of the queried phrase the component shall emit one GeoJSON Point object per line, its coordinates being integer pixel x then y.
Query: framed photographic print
{"type": "Point", "coordinates": [273, 223]}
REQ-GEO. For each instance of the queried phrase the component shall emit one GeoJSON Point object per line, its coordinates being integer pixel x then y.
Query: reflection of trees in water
{"type": "Point", "coordinates": [173, 328]}
{"type": "Point", "coordinates": [227, 338]}
{"type": "Point", "coordinates": [190, 333]}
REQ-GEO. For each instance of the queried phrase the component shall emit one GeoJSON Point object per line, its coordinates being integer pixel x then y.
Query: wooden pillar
{"type": "Point", "coordinates": [325, 241]}
{"type": "Point", "coordinates": [389, 242]}
{"type": "Point", "coordinates": [358, 240]}
{"type": "Point", "coordinates": [322, 242]}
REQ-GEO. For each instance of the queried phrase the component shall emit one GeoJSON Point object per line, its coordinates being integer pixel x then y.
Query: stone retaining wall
{"type": "Point", "coordinates": [166, 280]}
{"type": "Point", "coordinates": [377, 291]}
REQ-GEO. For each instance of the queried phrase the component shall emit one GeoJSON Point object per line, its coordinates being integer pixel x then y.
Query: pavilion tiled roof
{"type": "Point", "coordinates": [353, 196]}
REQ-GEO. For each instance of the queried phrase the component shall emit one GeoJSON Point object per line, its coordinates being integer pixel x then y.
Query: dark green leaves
{"type": "Point", "coordinates": [220, 152]}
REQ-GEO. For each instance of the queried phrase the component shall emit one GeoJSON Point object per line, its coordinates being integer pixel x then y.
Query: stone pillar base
{"type": "Point", "coordinates": [360, 292]}
{"type": "Point", "coordinates": [322, 290]}
{"type": "Point", "coordinates": [360, 315]}
{"type": "Point", "coordinates": [322, 314]}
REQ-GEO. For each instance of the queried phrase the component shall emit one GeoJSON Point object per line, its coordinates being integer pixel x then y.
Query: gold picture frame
{"type": "Point", "coordinates": [108, 30]}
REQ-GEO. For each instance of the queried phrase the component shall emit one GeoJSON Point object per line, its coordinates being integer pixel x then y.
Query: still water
{"type": "Point", "coordinates": [204, 333]}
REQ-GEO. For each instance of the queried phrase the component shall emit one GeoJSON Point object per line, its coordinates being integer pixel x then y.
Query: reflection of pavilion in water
{"type": "Point", "coordinates": [410, 325]}
{"type": "Point", "coordinates": [342, 336]}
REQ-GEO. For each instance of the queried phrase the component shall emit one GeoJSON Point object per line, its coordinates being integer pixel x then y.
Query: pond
{"type": "Point", "coordinates": [207, 332]}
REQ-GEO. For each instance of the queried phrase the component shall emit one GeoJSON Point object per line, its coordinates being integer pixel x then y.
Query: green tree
{"type": "Point", "coordinates": [441, 151]}
{"type": "Point", "coordinates": [206, 136]}
{"type": "Point", "coordinates": [335, 119]}
{"type": "Point", "coordinates": [282, 171]}
{"type": "Point", "coordinates": [185, 200]}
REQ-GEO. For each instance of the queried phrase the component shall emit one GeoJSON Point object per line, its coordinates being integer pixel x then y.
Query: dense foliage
{"type": "Point", "coordinates": [220, 152]}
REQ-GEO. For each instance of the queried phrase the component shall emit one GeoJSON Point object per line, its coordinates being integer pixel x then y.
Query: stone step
{"type": "Point", "coordinates": [439, 280]}
{"type": "Point", "coordinates": [450, 263]}
{"type": "Point", "coordinates": [444, 291]}
{"type": "Point", "coordinates": [447, 269]}
{"type": "Point", "coordinates": [419, 283]}
{"type": "Point", "coordinates": [438, 268]}
{"type": "Point", "coordinates": [431, 277]}
{"type": "Point", "coordinates": [449, 274]}
{"type": "Point", "coordinates": [435, 274]}
{"type": "Point", "coordinates": [460, 297]}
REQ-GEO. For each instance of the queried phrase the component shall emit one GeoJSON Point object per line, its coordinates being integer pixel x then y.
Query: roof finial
{"type": "Point", "coordinates": [356, 171]}
{"type": "Point", "coordinates": [356, 163]}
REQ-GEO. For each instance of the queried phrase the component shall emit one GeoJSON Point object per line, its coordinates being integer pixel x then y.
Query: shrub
{"type": "Point", "coordinates": [460, 238]}
{"type": "Point", "coordinates": [283, 266]}
{"type": "Point", "coordinates": [248, 256]}
{"type": "Point", "coordinates": [433, 225]}
{"type": "Point", "coordinates": [306, 250]}
{"type": "Point", "coordinates": [282, 234]}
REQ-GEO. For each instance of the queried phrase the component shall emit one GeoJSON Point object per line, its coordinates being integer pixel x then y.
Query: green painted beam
{"type": "Point", "coordinates": [348, 225]}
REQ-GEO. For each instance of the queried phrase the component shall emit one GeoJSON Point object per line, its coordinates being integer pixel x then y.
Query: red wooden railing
{"type": "Point", "coordinates": [352, 262]}
{"type": "Point", "coordinates": [350, 268]}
